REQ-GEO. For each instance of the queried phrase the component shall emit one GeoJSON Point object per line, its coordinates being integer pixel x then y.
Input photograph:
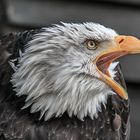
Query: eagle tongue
{"type": "Point", "coordinates": [105, 60]}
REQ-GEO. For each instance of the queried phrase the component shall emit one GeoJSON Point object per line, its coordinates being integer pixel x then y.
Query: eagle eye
{"type": "Point", "coordinates": [91, 45]}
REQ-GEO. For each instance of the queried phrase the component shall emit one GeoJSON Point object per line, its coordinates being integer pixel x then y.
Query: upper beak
{"type": "Point", "coordinates": [123, 45]}
{"type": "Point", "coordinates": [129, 44]}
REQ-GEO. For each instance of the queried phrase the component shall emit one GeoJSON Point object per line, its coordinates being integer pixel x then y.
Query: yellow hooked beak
{"type": "Point", "coordinates": [123, 45]}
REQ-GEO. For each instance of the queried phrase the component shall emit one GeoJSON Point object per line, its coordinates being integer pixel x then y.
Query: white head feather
{"type": "Point", "coordinates": [57, 74]}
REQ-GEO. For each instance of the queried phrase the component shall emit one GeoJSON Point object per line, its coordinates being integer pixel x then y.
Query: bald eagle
{"type": "Point", "coordinates": [62, 83]}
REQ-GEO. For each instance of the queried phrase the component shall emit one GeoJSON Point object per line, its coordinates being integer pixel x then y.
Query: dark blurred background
{"type": "Point", "coordinates": [121, 15]}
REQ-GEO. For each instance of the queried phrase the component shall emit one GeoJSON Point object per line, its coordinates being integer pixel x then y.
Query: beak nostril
{"type": "Point", "coordinates": [120, 41]}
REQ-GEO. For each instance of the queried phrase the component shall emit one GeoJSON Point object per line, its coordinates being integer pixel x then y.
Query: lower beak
{"type": "Point", "coordinates": [123, 45]}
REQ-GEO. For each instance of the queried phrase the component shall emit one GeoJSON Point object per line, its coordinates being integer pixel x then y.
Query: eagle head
{"type": "Point", "coordinates": [69, 68]}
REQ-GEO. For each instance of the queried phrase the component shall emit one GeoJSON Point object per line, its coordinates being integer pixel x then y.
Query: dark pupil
{"type": "Point", "coordinates": [91, 43]}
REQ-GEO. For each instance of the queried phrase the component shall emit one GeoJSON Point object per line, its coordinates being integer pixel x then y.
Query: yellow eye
{"type": "Point", "coordinates": [91, 45]}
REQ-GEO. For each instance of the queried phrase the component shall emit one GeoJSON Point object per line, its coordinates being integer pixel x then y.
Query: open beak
{"type": "Point", "coordinates": [123, 45]}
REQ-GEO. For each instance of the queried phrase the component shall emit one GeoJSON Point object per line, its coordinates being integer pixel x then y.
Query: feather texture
{"type": "Point", "coordinates": [111, 123]}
